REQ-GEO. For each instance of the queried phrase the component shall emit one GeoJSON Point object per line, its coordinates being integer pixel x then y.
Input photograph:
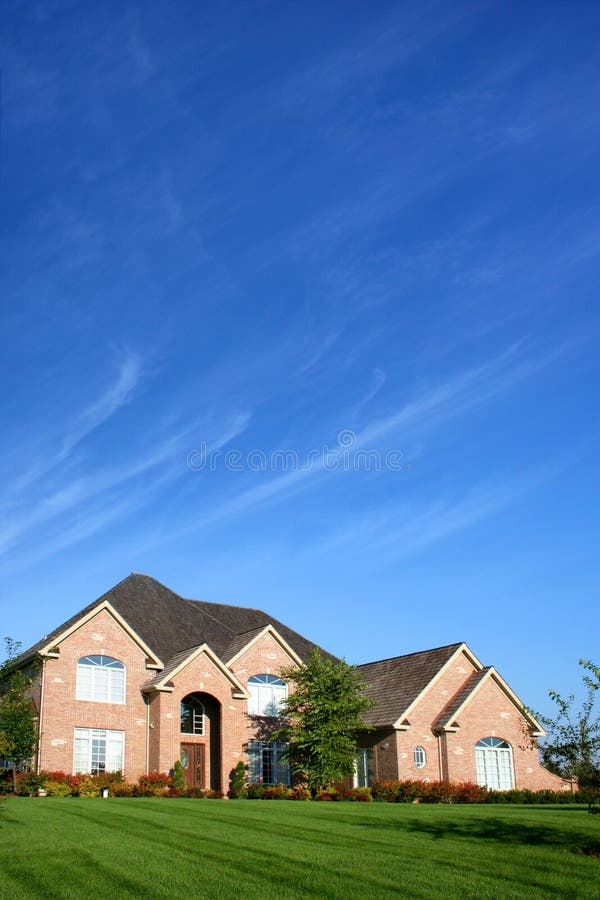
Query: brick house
{"type": "Point", "coordinates": [142, 677]}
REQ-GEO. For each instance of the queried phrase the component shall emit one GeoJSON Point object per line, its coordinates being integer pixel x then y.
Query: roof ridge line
{"type": "Point", "coordinates": [210, 616]}
{"type": "Point", "coordinates": [414, 653]}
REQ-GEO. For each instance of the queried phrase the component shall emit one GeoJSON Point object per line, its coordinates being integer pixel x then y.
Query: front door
{"type": "Point", "coordinates": [192, 760]}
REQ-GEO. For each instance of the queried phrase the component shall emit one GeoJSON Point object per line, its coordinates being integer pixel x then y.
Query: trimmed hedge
{"type": "Point", "coordinates": [276, 792]}
{"type": "Point", "coordinates": [428, 792]}
{"type": "Point", "coordinates": [466, 792]}
{"type": "Point", "coordinates": [158, 784]}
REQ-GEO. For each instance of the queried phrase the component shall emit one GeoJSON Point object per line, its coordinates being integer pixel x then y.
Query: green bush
{"type": "Point", "coordinates": [199, 793]}
{"type": "Point", "coordinates": [525, 796]}
{"type": "Point", "coordinates": [340, 793]}
{"type": "Point", "coordinates": [123, 789]}
{"type": "Point", "coordinates": [428, 792]}
{"type": "Point", "coordinates": [178, 777]}
{"type": "Point", "coordinates": [255, 791]}
{"type": "Point", "coordinates": [58, 789]}
{"type": "Point", "coordinates": [237, 787]}
{"type": "Point", "coordinates": [29, 783]}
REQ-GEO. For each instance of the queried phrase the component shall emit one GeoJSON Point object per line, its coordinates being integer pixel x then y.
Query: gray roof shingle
{"type": "Point", "coordinates": [395, 683]}
{"type": "Point", "coordinates": [170, 624]}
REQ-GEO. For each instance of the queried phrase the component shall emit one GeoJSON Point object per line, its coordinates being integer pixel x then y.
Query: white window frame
{"type": "Point", "coordinates": [266, 694]}
{"type": "Point", "coordinates": [264, 758]}
{"type": "Point", "coordinates": [198, 718]}
{"type": "Point", "coordinates": [494, 764]}
{"type": "Point", "coordinates": [101, 679]}
{"type": "Point", "coordinates": [419, 757]}
{"type": "Point", "coordinates": [363, 774]}
{"type": "Point", "coordinates": [98, 750]}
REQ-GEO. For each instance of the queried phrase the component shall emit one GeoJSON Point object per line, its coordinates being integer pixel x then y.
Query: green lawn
{"type": "Point", "coordinates": [116, 848]}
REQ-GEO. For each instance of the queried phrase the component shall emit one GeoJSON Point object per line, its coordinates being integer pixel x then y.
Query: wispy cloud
{"type": "Point", "coordinates": [87, 505]}
{"type": "Point", "coordinates": [88, 420]}
{"type": "Point", "coordinates": [401, 530]}
{"type": "Point", "coordinates": [392, 40]}
{"type": "Point", "coordinates": [426, 411]}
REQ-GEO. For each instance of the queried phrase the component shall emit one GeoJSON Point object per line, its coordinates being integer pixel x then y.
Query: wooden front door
{"type": "Point", "coordinates": [192, 760]}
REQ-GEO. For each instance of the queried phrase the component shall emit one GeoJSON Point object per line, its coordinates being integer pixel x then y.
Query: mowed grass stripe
{"type": "Point", "coordinates": [54, 847]}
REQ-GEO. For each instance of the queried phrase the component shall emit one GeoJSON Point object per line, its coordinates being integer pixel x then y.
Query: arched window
{"type": "Point", "coordinates": [101, 679]}
{"type": "Point", "coordinates": [192, 715]}
{"type": "Point", "coordinates": [494, 763]}
{"type": "Point", "coordinates": [266, 693]}
{"type": "Point", "coordinates": [419, 757]}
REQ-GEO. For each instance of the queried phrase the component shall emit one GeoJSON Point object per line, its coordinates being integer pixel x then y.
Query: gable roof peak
{"type": "Point", "coordinates": [168, 623]}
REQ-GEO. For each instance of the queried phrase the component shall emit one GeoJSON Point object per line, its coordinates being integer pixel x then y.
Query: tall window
{"type": "Point", "coordinates": [98, 750]}
{"type": "Point", "coordinates": [101, 678]}
{"type": "Point", "coordinates": [363, 772]}
{"type": "Point", "coordinates": [494, 763]}
{"type": "Point", "coordinates": [192, 715]}
{"type": "Point", "coordinates": [265, 763]}
{"type": "Point", "coordinates": [266, 693]}
{"type": "Point", "coordinates": [419, 757]}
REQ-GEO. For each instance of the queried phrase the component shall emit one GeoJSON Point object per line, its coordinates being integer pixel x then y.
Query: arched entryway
{"type": "Point", "coordinates": [200, 740]}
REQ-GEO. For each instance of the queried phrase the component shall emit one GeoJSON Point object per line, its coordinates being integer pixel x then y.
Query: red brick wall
{"type": "Point", "coordinates": [62, 713]}
{"type": "Point", "coordinates": [439, 693]}
{"type": "Point", "coordinates": [384, 759]}
{"type": "Point", "coordinates": [491, 714]}
{"type": "Point", "coordinates": [265, 657]}
{"type": "Point", "coordinates": [200, 675]}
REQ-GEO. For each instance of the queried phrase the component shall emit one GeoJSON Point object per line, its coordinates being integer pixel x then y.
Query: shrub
{"type": "Point", "coordinates": [237, 787]}
{"type": "Point", "coordinates": [88, 786]}
{"type": "Point", "coordinates": [255, 791]}
{"type": "Point", "coordinates": [58, 789]}
{"type": "Point", "coordinates": [340, 793]}
{"type": "Point", "coordinates": [299, 793]}
{"type": "Point", "coordinates": [428, 792]}
{"type": "Point", "coordinates": [199, 793]}
{"type": "Point", "coordinates": [124, 789]}
{"type": "Point", "coordinates": [6, 781]}
{"type": "Point", "coordinates": [178, 777]}
{"type": "Point", "coordinates": [156, 784]}
{"type": "Point", "coordinates": [276, 792]}
{"type": "Point", "coordinates": [468, 792]}
{"type": "Point", "coordinates": [524, 795]}
{"type": "Point", "coordinates": [325, 795]}
{"type": "Point", "coordinates": [29, 783]}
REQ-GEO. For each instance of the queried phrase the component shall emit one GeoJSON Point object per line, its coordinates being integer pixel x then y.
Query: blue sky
{"type": "Point", "coordinates": [300, 311]}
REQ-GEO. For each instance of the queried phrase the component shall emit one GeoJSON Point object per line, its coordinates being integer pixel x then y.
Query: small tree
{"type": "Point", "coordinates": [178, 776]}
{"type": "Point", "coordinates": [237, 786]}
{"type": "Point", "coordinates": [324, 713]}
{"type": "Point", "coordinates": [572, 749]}
{"type": "Point", "coordinates": [17, 720]}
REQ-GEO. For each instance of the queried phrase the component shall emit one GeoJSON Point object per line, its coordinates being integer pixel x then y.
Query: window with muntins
{"type": "Point", "coordinates": [265, 763]}
{"type": "Point", "coordinates": [266, 695]}
{"type": "Point", "coordinates": [494, 764]}
{"type": "Point", "coordinates": [101, 679]}
{"type": "Point", "coordinates": [363, 768]}
{"type": "Point", "coordinates": [98, 750]}
{"type": "Point", "coordinates": [419, 757]}
{"type": "Point", "coordinates": [192, 715]}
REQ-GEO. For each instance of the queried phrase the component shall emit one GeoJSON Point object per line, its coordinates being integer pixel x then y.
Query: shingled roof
{"type": "Point", "coordinates": [446, 719]}
{"type": "Point", "coordinates": [396, 683]}
{"type": "Point", "coordinates": [170, 624]}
